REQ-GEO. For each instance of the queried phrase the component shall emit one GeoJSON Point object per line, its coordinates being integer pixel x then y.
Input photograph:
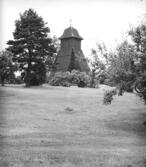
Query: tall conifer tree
{"type": "Point", "coordinates": [31, 46]}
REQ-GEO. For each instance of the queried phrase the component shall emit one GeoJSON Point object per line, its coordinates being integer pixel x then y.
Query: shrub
{"type": "Point", "coordinates": [109, 82]}
{"type": "Point", "coordinates": [80, 78]}
{"type": "Point", "coordinates": [81, 84]}
{"type": "Point", "coordinates": [140, 87]}
{"type": "Point", "coordinates": [70, 78]}
{"type": "Point", "coordinates": [18, 80]}
{"type": "Point", "coordinates": [65, 84]}
{"type": "Point", "coordinates": [129, 87]}
{"type": "Point", "coordinates": [108, 96]}
{"type": "Point", "coordinates": [114, 92]}
{"type": "Point", "coordinates": [60, 79]}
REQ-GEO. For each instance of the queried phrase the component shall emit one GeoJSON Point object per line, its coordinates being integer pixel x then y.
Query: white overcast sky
{"type": "Point", "coordinates": [95, 20]}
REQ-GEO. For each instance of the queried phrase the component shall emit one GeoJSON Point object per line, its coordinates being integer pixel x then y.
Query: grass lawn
{"type": "Point", "coordinates": [70, 127]}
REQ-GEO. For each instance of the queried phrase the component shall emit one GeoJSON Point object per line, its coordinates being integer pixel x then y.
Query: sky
{"type": "Point", "coordinates": [96, 20]}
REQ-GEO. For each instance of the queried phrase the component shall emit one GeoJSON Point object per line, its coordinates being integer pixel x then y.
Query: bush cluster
{"type": "Point", "coordinates": [18, 80]}
{"type": "Point", "coordinates": [74, 77]}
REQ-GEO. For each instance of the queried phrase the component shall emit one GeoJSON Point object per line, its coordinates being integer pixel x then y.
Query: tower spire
{"type": "Point", "coordinates": [70, 22]}
{"type": "Point", "coordinates": [71, 26]}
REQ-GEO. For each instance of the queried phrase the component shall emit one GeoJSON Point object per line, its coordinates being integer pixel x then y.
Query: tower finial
{"type": "Point", "coordinates": [70, 22]}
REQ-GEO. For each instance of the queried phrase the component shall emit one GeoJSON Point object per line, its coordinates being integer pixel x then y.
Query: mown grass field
{"type": "Point", "coordinates": [70, 127]}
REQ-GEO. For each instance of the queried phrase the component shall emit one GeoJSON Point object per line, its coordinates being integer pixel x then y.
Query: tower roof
{"type": "Point", "coordinates": [71, 32]}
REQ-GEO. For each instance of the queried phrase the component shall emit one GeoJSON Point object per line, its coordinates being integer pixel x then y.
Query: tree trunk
{"type": "Point", "coordinates": [28, 72]}
{"type": "Point", "coordinates": [92, 84]}
{"type": "Point", "coordinates": [27, 81]}
{"type": "Point", "coordinates": [2, 81]}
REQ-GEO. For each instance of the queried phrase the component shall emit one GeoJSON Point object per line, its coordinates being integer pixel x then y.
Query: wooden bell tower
{"type": "Point", "coordinates": [70, 56]}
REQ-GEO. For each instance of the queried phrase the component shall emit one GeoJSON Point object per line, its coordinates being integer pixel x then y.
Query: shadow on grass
{"type": "Point", "coordinates": [22, 86]}
{"type": "Point", "coordinates": [136, 125]}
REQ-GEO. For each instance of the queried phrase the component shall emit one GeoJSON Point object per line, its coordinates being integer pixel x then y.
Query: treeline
{"type": "Point", "coordinates": [124, 68]}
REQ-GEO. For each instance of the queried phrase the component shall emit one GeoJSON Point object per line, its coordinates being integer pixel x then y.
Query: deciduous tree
{"type": "Point", "coordinates": [121, 66]}
{"type": "Point", "coordinates": [7, 67]}
{"type": "Point", "coordinates": [98, 63]}
{"type": "Point", "coordinates": [139, 38]}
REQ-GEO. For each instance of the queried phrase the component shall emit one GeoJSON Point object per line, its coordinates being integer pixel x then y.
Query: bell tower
{"type": "Point", "coordinates": [70, 57]}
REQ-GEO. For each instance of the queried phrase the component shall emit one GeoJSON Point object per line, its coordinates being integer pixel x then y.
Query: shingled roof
{"type": "Point", "coordinates": [71, 32]}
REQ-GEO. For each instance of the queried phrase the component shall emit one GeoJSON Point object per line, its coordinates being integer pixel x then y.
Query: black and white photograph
{"type": "Point", "coordinates": [72, 83]}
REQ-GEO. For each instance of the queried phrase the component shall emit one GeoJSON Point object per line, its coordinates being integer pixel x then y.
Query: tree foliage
{"type": "Point", "coordinates": [97, 62]}
{"type": "Point", "coordinates": [127, 66]}
{"type": "Point", "coordinates": [31, 46]}
{"type": "Point", "coordinates": [122, 67]}
{"type": "Point", "coordinates": [138, 35]}
{"type": "Point", "coordinates": [7, 67]}
{"type": "Point", "coordinates": [139, 38]}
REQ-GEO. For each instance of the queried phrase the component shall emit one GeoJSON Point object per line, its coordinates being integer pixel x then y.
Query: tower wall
{"type": "Point", "coordinates": [69, 43]}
